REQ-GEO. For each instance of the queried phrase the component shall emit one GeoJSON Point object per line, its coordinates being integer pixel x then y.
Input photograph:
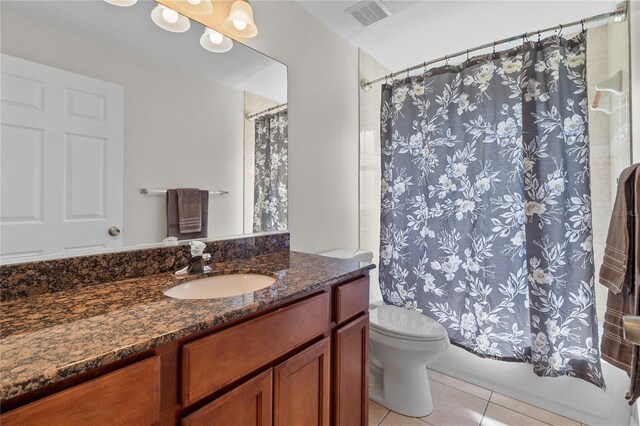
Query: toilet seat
{"type": "Point", "coordinates": [400, 323]}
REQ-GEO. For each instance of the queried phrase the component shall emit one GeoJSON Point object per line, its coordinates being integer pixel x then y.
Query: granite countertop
{"type": "Point", "coordinates": [49, 337]}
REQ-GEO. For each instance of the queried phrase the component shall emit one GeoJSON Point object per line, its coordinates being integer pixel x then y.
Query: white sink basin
{"type": "Point", "coordinates": [220, 286]}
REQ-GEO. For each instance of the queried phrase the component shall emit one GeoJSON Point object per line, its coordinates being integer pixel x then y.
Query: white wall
{"type": "Point", "coordinates": [422, 30]}
{"type": "Point", "coordinates": [179, 129]}
{"type": "Point", "coordinates": [323, 124]}
{"type": "Point", "coordinates": [634, 20]}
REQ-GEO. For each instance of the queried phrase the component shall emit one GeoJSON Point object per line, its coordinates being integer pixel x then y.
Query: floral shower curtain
{"type": "Point", "coordinates": [270, 191]}
{"type": "Point", "coordinates": [486, 209]}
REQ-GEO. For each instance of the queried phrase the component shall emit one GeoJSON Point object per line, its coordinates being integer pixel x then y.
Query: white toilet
{"type": "Point", "coordinates": [402, 343]}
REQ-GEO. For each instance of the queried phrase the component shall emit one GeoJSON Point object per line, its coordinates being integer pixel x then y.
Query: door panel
{"type": "Point", "coordinates": [62, 160]}
{"type": "Point", "coordinates": [350, 400]}
{"type": "Point", "coordinates": [302, 387]}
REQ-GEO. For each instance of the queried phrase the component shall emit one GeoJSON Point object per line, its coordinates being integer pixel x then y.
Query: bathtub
{"type": "Point", "coordinates": [570, 397]}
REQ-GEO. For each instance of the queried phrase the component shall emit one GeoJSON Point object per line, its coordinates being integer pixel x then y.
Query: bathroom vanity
{"type": "Point", "coordinates": [124, 353]}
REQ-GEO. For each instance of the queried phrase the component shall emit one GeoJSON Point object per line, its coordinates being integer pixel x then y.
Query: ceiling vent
{"type": "Point", "coordinates": [369, 11]}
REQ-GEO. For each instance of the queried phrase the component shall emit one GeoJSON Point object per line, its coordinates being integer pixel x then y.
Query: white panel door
{"type": "Point", "coordinates": [61, 161]}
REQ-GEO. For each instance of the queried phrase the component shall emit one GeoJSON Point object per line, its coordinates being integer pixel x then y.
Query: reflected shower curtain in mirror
{"type": "Point", "coordinates": [486, 209]}
{"type": "Point", "coordinates": [270, 191]}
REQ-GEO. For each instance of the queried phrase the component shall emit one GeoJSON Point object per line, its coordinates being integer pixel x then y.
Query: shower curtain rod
{"type": "Point", "coordinates": [619, 15]}
{"type": "Point", "coordinates": [257, 114]}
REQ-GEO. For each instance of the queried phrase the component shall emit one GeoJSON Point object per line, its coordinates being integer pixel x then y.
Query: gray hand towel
{"type": "Point", "coordinates": [189, 210]}
{"type": "Point", "coordinates": [173, 217]}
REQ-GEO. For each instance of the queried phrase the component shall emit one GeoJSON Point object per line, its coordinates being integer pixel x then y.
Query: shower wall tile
{"type": "Point", "coordinates": [370, 163]}
{"type": "Point", "coordinates": [599, 137]}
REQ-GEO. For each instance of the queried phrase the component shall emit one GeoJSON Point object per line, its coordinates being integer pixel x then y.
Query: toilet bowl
{"type": "Point", "coordinates": [402, 344]}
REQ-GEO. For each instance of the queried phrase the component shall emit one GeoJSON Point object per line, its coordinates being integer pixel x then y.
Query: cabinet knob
{"type": "Point", "coordinates": [114, 231]}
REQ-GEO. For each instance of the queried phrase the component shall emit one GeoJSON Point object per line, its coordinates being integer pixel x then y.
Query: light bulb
{"type": "Point", "coordinates": [240, 25]}
{"type": "Point", "coordinates": [170, 15]}
{"type": "Point", "coordinates": [215, 37]}
{"type": "Point", "coordinates": [194, 2]}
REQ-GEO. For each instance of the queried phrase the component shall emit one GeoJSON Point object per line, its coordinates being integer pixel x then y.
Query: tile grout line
{"type": "Point", "coordinates": [383, 417]}
{"type": "Point", "coordinates": [486, 407]}
{"type": "Point", "coordinates": [523, 414]}
{"type": "Point", "coordinates": [468, 393]}
{"type": "Point", "coordinates": [500, 405]}
{"type": "Point", "coordinates": [534, 406]}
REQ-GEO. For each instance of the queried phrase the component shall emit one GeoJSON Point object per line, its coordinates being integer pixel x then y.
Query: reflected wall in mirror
{"type": "Point", "coordinates": [98, 102]}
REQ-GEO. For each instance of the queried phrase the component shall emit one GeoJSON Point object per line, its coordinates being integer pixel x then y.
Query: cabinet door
{"type": "Point", "coordinates": [247, 405]}
{"type": "Point", "coordinates": [351, 388]}
{"type": "Point", "coordinates": [129, 396]}
{"type": "Point", "coordinates": [302, 387]}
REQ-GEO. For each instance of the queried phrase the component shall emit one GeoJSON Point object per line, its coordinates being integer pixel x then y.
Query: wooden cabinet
{"type": "Point", "coordinates": [130, 395]}
{"type": "Point", "coordinates": [300, 363]}
{"type": "Point", "coordinates": [213, 362]}
{"type": "Point", "coordinates": [250, 404]}
{"type": "Point", "coordinates": [302, 387]}
{"type": "Point", "coordinates": [351, 375]}
{"type": "Point", "coordinates": [351, 299]}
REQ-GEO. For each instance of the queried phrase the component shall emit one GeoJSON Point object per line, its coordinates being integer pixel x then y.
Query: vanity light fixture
{"type": "Point", "coordinates": [170, 20]}
{"type": "Point", "coordinates": [213, 41]}
{"type": "Point", "coordinates": [122, 3]}
{"type": "Point", "coordinates": [199, 7]}
{"type": "Point", "coordinates": [240, 20]}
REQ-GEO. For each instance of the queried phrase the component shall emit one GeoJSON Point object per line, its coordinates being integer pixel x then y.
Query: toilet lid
{"type": "Point", "coordinates": [399, 322]}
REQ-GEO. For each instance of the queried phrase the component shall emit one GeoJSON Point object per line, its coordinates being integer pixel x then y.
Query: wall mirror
{"type": "Point", "coordinates": [103, 111]}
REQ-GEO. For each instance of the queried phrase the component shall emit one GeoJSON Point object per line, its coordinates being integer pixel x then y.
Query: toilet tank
{"type": "Point", "coordinates": [350, 254]}
{"type": "Point", "coordinates": [375, 296]}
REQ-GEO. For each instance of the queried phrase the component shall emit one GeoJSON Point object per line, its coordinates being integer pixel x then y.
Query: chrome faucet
{"type": "Point", "coordinates": [196, 264]}
{"type": "Point", "coordinates": [197, 260]}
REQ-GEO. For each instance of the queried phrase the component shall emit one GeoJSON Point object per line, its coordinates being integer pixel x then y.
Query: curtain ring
{"type": "Point", "coordinates": [538, 36]}
{"type": "Point", "coordinates": [407, 72]}
{"type": "Point", "coordinates": [467, 54]}
{"type": "Point", "coordinates": [582, 25]}
{"type": "Point", "coordinates": [425, 67]}
{"type": "Point", "coordinates": [560, 32]}
{"type": "Point", "coordinates": [446, 60]}
{"type": "Point", "coordinates": [494, 48]}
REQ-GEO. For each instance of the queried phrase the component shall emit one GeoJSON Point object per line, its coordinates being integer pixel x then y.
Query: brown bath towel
{"type": "Point", "coordinates": [194, 200]}
{"type": "Point", "coordinates": [616, 268]}
{"type": "Point", "coordinates": [620, 272]}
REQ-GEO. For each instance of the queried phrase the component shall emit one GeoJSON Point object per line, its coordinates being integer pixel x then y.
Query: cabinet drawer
{"type": "Point", "coordinates": [130, 395]}
{"type": "Point", "coordinates": [351, 299]}
{"type": "Point", "coordinates": [247, 405]}
{"type": "Point", "coordinates": [215, 361]}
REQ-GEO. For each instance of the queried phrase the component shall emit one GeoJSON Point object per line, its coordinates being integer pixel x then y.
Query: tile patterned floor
{"type": "Point", "coordinates": [458, 403]}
